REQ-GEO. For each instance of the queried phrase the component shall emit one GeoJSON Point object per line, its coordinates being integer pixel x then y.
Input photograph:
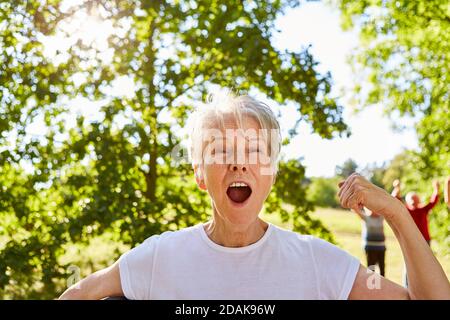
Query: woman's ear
{"type": "Point", "coordinates": [199, 178]}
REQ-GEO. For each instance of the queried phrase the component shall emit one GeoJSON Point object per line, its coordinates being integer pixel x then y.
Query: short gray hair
{"type": "Point", "coordinates": [225, 102]}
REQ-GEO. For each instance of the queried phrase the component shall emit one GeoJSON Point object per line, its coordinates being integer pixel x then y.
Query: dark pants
{"type": "Point", "coordinates": [376, 257]}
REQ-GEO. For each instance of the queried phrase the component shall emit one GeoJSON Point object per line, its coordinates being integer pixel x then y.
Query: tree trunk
{"type": "Point", "coordinates": [150, 115]}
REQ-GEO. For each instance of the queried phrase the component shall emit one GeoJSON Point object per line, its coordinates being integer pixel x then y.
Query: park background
{"type": "Point", "coordinates": [95, 96]}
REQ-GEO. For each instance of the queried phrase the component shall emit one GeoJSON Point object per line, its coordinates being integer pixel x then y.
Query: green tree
{"type": "Point", "coordinates": [401, 167]}
{"type": "Point", "coordinates": [323, 192]}
{"type": "Point", "coordinates": [115, 175]}
{"type": "Point", "coordinates": [402, 64]}
{"type": "Point", "coordinates": [347, 168]}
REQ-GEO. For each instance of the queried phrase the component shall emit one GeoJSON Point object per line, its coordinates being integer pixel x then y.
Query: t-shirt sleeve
{"type": "Point", "coordinates": [335, 269]}
{"type": "Point", "coordinates": [135, 267]}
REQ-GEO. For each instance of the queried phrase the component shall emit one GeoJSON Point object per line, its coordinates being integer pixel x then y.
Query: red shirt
{"type": "Point", "coordinates": [420, 215]}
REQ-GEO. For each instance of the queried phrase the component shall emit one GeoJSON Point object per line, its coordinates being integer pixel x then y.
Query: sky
{"type": "Point", "coordinates": [312, 23]}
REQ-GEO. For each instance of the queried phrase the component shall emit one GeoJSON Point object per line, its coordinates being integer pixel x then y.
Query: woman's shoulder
{"type": "Point", "coordinates": [292, 236]}
{"type": "Point", "coordinates": [171, 236]}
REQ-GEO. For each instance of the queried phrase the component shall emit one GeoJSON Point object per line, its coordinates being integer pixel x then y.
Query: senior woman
{"type": "Point", "coordinates": [237, 255]}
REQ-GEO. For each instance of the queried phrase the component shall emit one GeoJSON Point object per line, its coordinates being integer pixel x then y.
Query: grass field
{"type": "Point", "coordinates": [346, 228]}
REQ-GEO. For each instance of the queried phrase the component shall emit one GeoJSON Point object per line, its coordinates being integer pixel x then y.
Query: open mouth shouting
{"type": "Point", "coordinates": [239, 192]}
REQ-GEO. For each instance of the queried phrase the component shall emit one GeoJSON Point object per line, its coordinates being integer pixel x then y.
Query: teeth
{"type": "Point", "coordinates": [238, 184]}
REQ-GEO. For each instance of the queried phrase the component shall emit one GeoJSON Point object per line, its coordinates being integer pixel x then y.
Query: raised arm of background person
{"type": "Point", "coordinates": [434, 197]}
{"type": "Point", "coordinates": [396, 192]}
{"type": "Point", "coordinates": [447, 192]}
{"type": "Point", "coordinates": [426, 278]}
{"type": "Point", "coordinates": [101, 284]}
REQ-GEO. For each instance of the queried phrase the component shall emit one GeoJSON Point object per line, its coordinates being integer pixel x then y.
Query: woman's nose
{"type": "Point", "coordinates": [238, 167]}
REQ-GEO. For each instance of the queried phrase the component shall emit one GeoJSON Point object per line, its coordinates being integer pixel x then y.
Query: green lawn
{"type": "Point", "coordinates": [346, 228]}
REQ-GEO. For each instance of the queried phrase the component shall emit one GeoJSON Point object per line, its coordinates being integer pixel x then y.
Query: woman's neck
{"type": "Point", "coordinates": [226, 234]}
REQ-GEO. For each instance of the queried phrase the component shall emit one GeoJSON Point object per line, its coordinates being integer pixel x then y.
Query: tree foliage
{"type": "Point", "coordinates": [402, 63]}
{"type": "Point", "coordinates": [323, 192]}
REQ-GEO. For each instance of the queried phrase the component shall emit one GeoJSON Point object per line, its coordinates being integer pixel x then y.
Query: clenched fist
{"type": "Point", "coordinates": [436, 184]}
{"type": "Point", "coordinates": [356, 192]}
{"type": "Point", "coordinates": [396, 183]}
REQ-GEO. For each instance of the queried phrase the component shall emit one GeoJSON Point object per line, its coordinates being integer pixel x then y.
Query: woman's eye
{"type": "Point", "coordinates": [219, 151]}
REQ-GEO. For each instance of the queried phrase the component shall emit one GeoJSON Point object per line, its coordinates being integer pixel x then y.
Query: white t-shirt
{"type": "Point", "coordinates": [187, 264]}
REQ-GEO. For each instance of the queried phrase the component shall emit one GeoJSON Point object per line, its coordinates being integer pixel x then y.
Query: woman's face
{"type": "Point", "coordinates": [237, 172]}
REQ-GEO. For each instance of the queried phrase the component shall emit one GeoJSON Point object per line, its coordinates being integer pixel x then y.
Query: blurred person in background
{"type": "Point", "coordinates": [418, 210]}
{"type": "Point", "coordinates": [373, 238]}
